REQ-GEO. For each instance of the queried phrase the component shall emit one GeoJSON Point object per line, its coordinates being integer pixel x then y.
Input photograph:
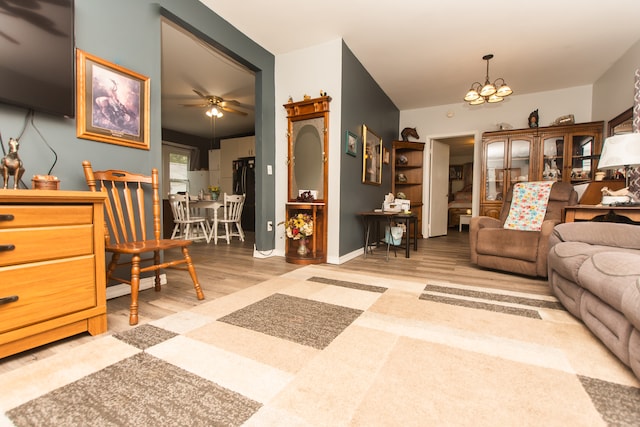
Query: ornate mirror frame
{"type": "Point", "coordinates": [308, 121]}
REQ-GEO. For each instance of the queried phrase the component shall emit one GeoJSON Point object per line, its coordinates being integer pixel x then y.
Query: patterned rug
{"type": "Point", "coordinates": [321, 347]}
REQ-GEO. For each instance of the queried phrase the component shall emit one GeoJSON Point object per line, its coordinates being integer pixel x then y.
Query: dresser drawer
{"type": "Point", "coordinates": [43, 243]}
{"type": "Point", "coordinates": [44, 215]}
{"type": "Point", "coordinates": [46, 290]}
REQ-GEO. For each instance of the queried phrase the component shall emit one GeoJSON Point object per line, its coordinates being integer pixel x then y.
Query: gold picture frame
{"type": "Point", "coordinates": [112, 103]}
{"type": "Point", "coordinates": [371, 157]}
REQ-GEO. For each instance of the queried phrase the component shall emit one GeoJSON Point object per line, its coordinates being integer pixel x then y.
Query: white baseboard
{"type": "Point", "coordinates": [124, 289]}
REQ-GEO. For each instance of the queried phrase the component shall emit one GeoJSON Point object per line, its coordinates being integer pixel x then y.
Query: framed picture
{"type": "Point", "coordinates": [112, 103]}
{"type": "Point", "coordinates": [371, 157]}
{"type": "Point", "coordinates": [351, 144]}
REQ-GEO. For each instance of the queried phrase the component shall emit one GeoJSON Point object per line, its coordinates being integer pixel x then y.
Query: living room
{"type": "Point", "coordinates": [357, 99]}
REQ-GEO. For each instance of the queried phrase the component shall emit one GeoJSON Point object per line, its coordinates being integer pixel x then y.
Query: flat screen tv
{"type": "Point", "coordinates": [37, 50]}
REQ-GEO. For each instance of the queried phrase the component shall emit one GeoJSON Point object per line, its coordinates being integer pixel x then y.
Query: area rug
{"type": "Point", "coordinates": [323, 347]}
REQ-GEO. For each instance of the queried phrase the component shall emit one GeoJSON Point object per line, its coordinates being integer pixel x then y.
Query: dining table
{"type": "Point", "coordinates": [209, 205]}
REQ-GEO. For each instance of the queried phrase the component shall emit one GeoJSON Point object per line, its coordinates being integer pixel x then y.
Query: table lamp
{"type": "Point", "coordinates": [621, 151]}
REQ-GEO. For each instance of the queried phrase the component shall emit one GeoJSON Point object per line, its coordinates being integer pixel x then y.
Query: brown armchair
{"type": "Point", "coordinates": [518, 251]}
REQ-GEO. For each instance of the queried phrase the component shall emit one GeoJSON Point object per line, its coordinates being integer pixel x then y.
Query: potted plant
{"type": "Point", "coordinates": [215, 192]}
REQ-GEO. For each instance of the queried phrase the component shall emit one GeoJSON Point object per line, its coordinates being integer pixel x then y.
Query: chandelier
{"type": "Point", "coordinates": [489, 92]}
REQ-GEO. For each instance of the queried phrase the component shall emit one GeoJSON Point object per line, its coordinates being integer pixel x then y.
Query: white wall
{"type": "Point", "coordinates": [462, 119]}
{"type": "Point", "coordinates": [613, 92]}
{"type": "Point", "coordinates": [308, 71]}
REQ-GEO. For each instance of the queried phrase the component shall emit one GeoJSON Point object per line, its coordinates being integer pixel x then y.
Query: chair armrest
{"type": "Point", "coordinates": [544, 243]}
{"type": "Point", "coordinates": [475, 225]}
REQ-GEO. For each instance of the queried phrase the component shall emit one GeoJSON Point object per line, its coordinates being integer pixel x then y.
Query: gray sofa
{"type": "Point", "coordinates": [594, 270]}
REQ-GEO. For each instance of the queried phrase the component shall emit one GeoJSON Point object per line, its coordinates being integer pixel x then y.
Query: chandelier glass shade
{"type": "Point", "coordinates": [488, 92]}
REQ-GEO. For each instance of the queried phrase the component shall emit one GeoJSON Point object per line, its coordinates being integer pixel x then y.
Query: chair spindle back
{"type": "Point", "coordinates": [125, 206]}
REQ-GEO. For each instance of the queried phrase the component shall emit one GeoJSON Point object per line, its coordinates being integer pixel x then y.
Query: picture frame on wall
{"type": "Point", "coordinates": [351, 144]}
{"type": "Point", "coordinates": [371, 157]}
{"type": "Point", "coordinates": [112, 103]}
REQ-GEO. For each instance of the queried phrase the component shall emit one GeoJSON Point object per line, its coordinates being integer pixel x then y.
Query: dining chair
{"type": "Point", "coordinates": [126, 229]}
{"type": "Point", "coordinates": [231, 215]}
{"type": "Point", "coordinates": [187, 225]}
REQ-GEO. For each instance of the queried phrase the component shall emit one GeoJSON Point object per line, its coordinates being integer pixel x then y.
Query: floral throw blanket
{"type": "Point", "coordinates": [528, 206]}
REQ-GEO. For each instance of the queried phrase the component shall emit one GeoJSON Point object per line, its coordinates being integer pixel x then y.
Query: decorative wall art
{"type": "Point", "coordinates": [112, 103]}
{"type": "Point", "coordinates": [351, 144]}
{"type": "Point", "coordinates": [371, 157]}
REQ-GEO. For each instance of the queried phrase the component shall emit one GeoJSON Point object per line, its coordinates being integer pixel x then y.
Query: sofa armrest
{"type": "Point", "coordinates": [477, 223]}
{"type": "Point", "coordinates": [547, 229]}
{"type": "Point", "coordinates": [598, 233]}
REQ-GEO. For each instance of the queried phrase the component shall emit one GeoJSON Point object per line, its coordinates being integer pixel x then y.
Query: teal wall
{"type": "Point", "coordinates": [363, 102]}
{"type": "Point", "coordinates": [127, 33]}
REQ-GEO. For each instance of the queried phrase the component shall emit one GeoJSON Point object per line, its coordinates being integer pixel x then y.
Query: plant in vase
{"type": "Point", "coordinates": [299, 227]}
{"type": "Point", "coordinates": [215, 192]}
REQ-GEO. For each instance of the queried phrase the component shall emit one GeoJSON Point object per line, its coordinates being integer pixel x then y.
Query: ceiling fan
{"type": "Point", "coordinates": [216, 105]}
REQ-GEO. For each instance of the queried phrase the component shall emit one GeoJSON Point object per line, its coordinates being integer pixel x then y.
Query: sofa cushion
{"type": "Point", "coordinates": [508, 243]}
{"type": "Point", "coordinates": [609, 325]}
{"type": "Point", "coordinates": [608, 275]}
{"type": "Point", "coordinates": [631, 304]}
{"type": "Point", "coordinates": [566, 258]}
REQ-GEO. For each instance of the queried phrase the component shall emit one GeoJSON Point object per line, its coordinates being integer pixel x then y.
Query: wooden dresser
{"type": "Point", "coordinates": [52, 267]}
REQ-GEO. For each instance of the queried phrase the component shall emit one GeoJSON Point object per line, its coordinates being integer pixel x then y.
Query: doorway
{"type": "Point", "coordinates": [196, 78]}
{"type": "Point", "coordinates": [459, 184]}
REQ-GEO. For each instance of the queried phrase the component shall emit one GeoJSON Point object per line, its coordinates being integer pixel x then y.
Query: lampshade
{"type": "Point", "coordinates": [620, 151]}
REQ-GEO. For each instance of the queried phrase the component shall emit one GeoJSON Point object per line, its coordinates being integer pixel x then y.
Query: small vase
{"type": "Point", "coordinates": [214, 195]}
{"type": "Point", "coordinates": [302, 247]}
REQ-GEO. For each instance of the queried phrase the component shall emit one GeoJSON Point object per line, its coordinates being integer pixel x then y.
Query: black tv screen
{"type": "Point", "coordinates": [37, 50]}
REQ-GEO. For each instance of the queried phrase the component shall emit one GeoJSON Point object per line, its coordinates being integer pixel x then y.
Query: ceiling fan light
{"type": "Point", "coordinates": [495, 98]}
{"type": "Point", "coordinates": [487, 90]}
{"type": "Point", "coordinates": [504, 90]}
{"type": "Point", "coordinates": [472, 95]}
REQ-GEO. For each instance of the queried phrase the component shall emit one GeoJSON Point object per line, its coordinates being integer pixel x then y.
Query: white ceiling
{"type": "Point", "coordinates": [421, 53]}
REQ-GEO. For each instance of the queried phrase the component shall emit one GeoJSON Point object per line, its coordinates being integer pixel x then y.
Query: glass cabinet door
{"type": "Point", "coordinates": [520, 161]}
{"type": "Point", "coordinates": [553, 158]}
{"type": "Point", "coordinates": [582, 158]}
{"type": "Point", "coordinates": [495, 172]}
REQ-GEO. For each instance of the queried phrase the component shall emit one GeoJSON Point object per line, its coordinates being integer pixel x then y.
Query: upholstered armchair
{"type": "Point", "coordinates": [518, 251]}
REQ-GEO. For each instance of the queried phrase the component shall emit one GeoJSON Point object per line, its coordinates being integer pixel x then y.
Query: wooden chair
{"type": "Point", "coordinates": [232, 215]}
{"type": "Point", "coordinates": [126, 230]}
{"type": "Point", "coordinates": [187, 226]}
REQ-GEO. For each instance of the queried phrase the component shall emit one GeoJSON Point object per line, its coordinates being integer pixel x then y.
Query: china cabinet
{"type": "Point", "coordinates": [308, 168]}
{"type": "Point", "coordinates": [555, 153]}
{"type": "Point", "coordinates": [406, 169]}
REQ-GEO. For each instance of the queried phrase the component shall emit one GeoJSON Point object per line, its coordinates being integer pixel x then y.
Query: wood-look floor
{"type": "Point", "coordinates": [223, 269]}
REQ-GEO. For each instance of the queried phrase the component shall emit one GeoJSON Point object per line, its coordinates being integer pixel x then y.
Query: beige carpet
{"type": "Point", "coordinates": [317, 347]}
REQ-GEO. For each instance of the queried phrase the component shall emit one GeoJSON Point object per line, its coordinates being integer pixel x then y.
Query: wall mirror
{"type": "Point", "coordinates": [308, 147]}
{"type": "Point", "coordinates": [307, 160]}
{"type": "Point", "coordinates": [371, 157]}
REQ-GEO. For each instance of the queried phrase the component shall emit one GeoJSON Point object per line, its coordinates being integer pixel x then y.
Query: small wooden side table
{"type": "Point", "coordinates": [602, 213]}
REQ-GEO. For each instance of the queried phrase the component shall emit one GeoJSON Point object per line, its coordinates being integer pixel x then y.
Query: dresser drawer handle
{"type": "Point", "coordinates": [7, 248]}
{"type": "Point", "coordinates": [7, 300]}
{"type": "Point", "coordinates": [6, 217]}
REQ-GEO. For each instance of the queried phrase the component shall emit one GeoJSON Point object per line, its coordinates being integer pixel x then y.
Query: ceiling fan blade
{"type": "Point", "coordinates": [237, 104]}
{"type": "Point", "coordinates": [232, 110]}
{"type": "Point", "coordinates": [195, 105]}
{"type": "Point", "coordinates": [200, 94]}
